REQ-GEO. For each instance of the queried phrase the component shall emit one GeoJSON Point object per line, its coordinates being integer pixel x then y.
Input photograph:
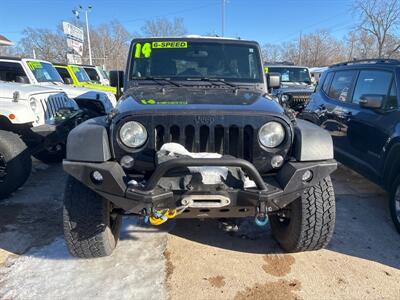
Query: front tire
{"type": "Point", "coordinates": [308, 222]}
{"type": "Point", "coordinates": [90, 228]}
{"type": "Point", "coordinates": [15, 163]}
{"type": "Point", "coordinates": [394, 203]}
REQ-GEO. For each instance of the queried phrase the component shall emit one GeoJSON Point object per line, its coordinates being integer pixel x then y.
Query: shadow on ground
{"type": "Point", "coordinates": [363, 226]}
{"type": "Point", "coordinates": [32, 218]}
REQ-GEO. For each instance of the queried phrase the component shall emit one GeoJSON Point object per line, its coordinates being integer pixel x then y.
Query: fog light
{"type": "Point", "coordinates": [96, 177]}
{"type": "Point", "coordinates": [307, 176]}
{"type": "Point", "coordinates": [276, 161]}
{"type": "Point", "coordinates": [127, 162]}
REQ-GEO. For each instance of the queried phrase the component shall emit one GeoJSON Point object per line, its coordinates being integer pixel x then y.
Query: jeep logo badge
{"type": "Point", "coordinates": [206, 120]}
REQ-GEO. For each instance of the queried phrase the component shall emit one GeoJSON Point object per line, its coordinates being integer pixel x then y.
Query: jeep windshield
{"type": "Point", "coordinates": [196, 60]}
{"type": "Point", "coordinates": [292, 74]}
{"type": "Point", "coordinates": [44, 72]}
{"type": "Point", "coordinates": [80, 74]}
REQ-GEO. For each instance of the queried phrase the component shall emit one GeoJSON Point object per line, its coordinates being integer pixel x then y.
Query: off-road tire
{"type": "Point", "coordinates": [16, 163]}
{"type": "Point", "coordinates": [309, 221]}
{"type": "Point", "coordinates": [51, 157]}
{"type": "Point", "coordinates": [89, 230]}
{"type": "Point", "coordinates": [395, 197]}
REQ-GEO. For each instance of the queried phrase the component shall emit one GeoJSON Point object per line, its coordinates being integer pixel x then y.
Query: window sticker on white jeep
{"type": "Point", "coordinates": [34, 65]}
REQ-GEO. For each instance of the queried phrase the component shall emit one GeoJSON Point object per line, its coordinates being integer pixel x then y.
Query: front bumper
{"type": "Point", "coordinates": [271, 193]}
{"type": "Point", "coordinates": [48, 135]}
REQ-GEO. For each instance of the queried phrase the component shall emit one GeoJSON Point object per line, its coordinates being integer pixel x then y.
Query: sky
{"type": "Point", "coordinates": [266, 21]}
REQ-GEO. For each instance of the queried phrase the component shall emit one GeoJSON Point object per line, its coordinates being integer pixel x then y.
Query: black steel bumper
{"type": "Point", "coordinates": [45, 136]}
{"type": "Point", "coordinates": [271, 193]}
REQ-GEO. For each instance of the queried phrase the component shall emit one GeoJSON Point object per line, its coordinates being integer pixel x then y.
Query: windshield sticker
{"type": "Point", "coordinates": [170, 44]}
{"type": "Point", "coordinates": [75, 69]}
{"type": "Point", "coordinates": [142, 51]}
{"type": "Point", "coordinates": [285, 77]}
{"type": "Point", "coordinates": [34, 65]}
{"type": "Point", "coordinates": [154, 102]}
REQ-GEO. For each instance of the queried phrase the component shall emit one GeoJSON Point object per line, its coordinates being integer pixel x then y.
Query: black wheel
{"type": "Point", "coordinates": [52, 155]}
{"type": "Point", "coordinates": [91, 229]}
{"type": "Point", "coordinates": [394, 203]}
{"type": "Point", "coordinates": [15, 163]}
{"type": "Point", "coordinates": [308, 222]}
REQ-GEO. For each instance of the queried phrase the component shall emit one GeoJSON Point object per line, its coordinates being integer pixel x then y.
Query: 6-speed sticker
{"type": "Point", "coordinates": [170, 44]}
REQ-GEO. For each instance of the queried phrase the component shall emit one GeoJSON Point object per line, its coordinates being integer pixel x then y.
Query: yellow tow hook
{"type": "Point", "coordinates": [160, 217]}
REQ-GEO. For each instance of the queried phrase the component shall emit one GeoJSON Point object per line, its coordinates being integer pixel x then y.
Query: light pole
{"type": "Point", "coordinates": [223, 18]}
{"type": "Point", "coordinates": [76, 12]}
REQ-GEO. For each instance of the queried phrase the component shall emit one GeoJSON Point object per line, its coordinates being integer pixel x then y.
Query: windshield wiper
{"type": "Point", "coordinates": [212, 80]}
{"type": "Point", "coordinates": [157, 80]}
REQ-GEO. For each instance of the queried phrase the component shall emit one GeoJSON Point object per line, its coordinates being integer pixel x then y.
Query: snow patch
{"type": "Point", "coordinates": [134, 271]}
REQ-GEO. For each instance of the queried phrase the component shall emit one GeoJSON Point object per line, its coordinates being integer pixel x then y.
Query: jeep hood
{"type": "Point", "coordinates": [75, 92]}
{"type": "Point", "coordinates": [7, 90]}
{"type": "Point", "coordinates": [188, 98]}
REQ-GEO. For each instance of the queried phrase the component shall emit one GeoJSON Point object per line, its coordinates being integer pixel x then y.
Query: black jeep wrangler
{"type": "Point", "coordinates": [358, 103]}
{"type": "Point", "coordinates": [296, 85]}
{"type": "Point", "coordinates": [195, 135]}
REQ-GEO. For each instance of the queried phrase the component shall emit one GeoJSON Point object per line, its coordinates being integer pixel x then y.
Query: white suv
{"type": "Point", "coordinates": [39, 72]}
{"type": "Point", "coordinates": [34, 120]}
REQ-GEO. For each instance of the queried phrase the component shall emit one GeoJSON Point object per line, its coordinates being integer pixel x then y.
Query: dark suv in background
{"type": "Point", "coordinates": [357, 103]}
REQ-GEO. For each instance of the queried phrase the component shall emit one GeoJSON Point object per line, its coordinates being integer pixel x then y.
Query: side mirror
{"type": "Point", "coordinates": [22, 79]}
{"type": "Point", "coordinates": [371, 101]}
{"type": "Point", "coordinates": [68, 80]}
{"type": "Point", "coordinates": [117, 80]}
{"type": "Point", "coordinates": [274, 80]}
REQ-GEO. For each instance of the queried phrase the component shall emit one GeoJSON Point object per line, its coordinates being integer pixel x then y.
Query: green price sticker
{"type": "Point", "coordinates": [142, 50]}
{"type": "Point", "coordinates": [34, 65]}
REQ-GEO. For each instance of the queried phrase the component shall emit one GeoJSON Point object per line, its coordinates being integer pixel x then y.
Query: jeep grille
{"type": "Point", "coordinates": [299, 97]}
{"type": "Point", "coordinates": [52, 104]}
{"type": "Point", "coordinates": [232, 140]}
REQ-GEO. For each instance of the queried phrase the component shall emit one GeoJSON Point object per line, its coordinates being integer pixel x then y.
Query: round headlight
{"type": "Point", "coordinates": [33, 103]}
{"type": "Point", "coordinates": [133, 134]}
{"type": "Point", "coordinates": [284, 98]}
{"type": "Point", "coordinates": [271, 134]}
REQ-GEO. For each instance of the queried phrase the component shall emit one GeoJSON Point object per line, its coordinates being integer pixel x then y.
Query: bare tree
{"type": "Point", "coordinates": [48, 45]}
{"type": "Point", "coordinates": [110, 45]}
{"type": "Point", "coordinates": [272, 53]}
{"type": "Point", "coordinates": [164, 27]}
{"type": "Point", "coordinates": [380, 18]}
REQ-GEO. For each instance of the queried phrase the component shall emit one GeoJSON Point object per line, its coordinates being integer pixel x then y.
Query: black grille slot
{"type": "Point", "coordinates": [248, 140]}
{"type": "Point", "coordinates": [204, 138]}
{"type": "Point", "coordinates": [189, 138]}
{"type": "Point", "coordinates": [174, 134]}
{"type": "Point", "coordinates": [233, 140]}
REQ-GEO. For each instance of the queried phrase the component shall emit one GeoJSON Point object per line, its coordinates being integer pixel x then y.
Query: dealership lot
{"type": "Point", "coordinates": [362, 261]}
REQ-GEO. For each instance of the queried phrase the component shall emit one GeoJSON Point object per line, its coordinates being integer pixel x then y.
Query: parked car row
{"type": "Point", "coordinates": [37, 111]}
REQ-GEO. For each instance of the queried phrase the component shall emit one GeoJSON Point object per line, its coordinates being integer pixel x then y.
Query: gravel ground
{"type": "Point", "coordinates": [362, 261]}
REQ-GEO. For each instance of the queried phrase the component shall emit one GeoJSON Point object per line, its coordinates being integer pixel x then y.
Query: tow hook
{"type": "Point", "coordinates": [261, 218]}
{"type": "Point", "coordinates": [159, 217]}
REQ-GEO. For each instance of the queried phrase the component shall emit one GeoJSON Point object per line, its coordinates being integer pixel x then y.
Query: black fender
{"type": "Point", "coordinates": [89, 141]}
{"type": "Point", "coordinates": [311, 142]}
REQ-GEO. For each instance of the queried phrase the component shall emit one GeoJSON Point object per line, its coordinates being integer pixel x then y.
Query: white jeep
{"type": "Point", "coordinates": [40, 72]}
{"type": "Point", "coordinates": [34, 120]}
